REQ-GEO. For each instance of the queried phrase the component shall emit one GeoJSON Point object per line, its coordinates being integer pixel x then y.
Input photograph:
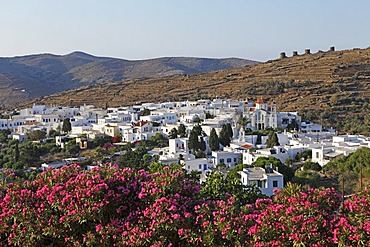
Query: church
{"type": "Point", "coordinates": [261, 115]}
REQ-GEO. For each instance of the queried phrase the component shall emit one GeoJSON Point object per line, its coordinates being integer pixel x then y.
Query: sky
{"type": "Point", "coordinates": [141, 29]}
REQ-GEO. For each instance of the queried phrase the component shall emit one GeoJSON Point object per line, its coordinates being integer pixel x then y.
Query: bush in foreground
{"type": "Point", "coordinates": [123, 207]}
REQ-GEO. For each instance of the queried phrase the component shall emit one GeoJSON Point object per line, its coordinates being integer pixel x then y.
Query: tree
{"type": "Point", "coordinates": [272, 140]}
{"type": "Point", "coordinates": [230, 130]}
{"type": "Point", "coordinates": [202, 144]}
{"type": "Point", "coordinates": [36, 135]}
{"type": "Point", "coordinates": [4, 135]}
{"type": "Point", "coordinates": [288, 161]}
{"type": "Point", "coordinates": [198, 129]}
{"type": "Point", "coordinates": [214, 143]}
{"type": "Point", "coordinates": [287, 171]}
{"type": "Point", "coordinates": [196, 119]}
{"type": "Point", "coordinates": [134, 159]}
{"type": "Point", "coordinates": [16, 152]}
{"type": "Point", "coordinates": [193, 141]}
{"type": "Point", "coordinates": [66, 127]}
{"type": "Point", "coordinates": [182, 131]}
{"type": "Point", "coordinates": [259, 139]}
{"type": "Point", "coordinates": [242, 121]}
{"type": "Point", "coordinates": [209, 115]}
{"type": "Point", "coordinates": [305, 155]}
{"type": "Point", "coordinates": [100, 140]}
{"type": "Point", "coordinates": [145, 112]}
{"type": "Point", "coordinates": [309, 165]}
{"type": "Point", "coordinates": [54, 133]}
{"type": "Point", "coordinates": [173, 133]}
{"type": "Point", "coordinates": [72, 148]}
{"type": "Point", "coordinates": [219, 187]}
{"type": "Point", "coordinates": [293, 125]}
{"type": "Point", "coordinates": [158, 140]}
{"type": "Point", "coordinates": [224, 137]}
{"type": "Point", "coordinates": [29, 153]}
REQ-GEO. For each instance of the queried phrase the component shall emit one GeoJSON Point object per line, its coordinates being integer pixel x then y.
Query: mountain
{"type": "Point", "coordinates": [32, 76]}
{"type": "Point", "coordinates": [332, 87]}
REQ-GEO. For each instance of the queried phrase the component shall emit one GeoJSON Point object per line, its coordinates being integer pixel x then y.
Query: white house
{"type": "Point", "coordinates": [178, 145]}
{"type": "Point", "coordinates": [325, 154]}
{"type": "Point", "coordinates": [308, 127]}
{"type": "Point", "coordinates": [278, 152]}
{"type": "Point", "coordinates": [19, 137]}
{"type": "Point", "coordinates": [266, 179]}
{"type": "Point", "coordinates": [230, 159]}
{"type": "Point", "coordinates": [201, 165]}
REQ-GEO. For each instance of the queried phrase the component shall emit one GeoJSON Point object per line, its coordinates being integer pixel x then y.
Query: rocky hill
{"type": "Point", "coordinates": [332, 87]}
{"type": "Point", "coordinates": [32, 76]}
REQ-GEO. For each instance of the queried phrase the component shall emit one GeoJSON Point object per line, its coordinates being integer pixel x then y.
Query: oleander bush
{"type": "Point", "coordinates": [110, 206]}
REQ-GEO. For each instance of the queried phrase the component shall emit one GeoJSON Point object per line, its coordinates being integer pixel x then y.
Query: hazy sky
{"type": "Point", "coordinates": [139, 29]}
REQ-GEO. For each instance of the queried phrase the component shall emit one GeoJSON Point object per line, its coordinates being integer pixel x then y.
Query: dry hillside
{"type": "Point", "coordinates": [38, 75]}
{"type": "Point", "coordinates": [328, 86]}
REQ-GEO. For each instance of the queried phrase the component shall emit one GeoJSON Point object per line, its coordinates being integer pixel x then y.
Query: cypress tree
{"type": "Point", "coordinates": [202, 144]}
{"type": "Point", "coordinates": [181, 131]}
{"type": "Point", "coordinates": [66, 125]}
{"type": "Point", "coordinates": [230, 130]}
{"type": "Point", "coordinates": [214, 142]}
{"type": "Point", "coordinates": [224, 136]}
{"type": "Point", "coordinates": [272, 140]}
{"type": "Point", "coordinates": [193, 141]}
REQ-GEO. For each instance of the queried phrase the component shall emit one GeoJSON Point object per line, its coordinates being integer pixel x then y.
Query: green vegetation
{"type": "Point", "coordinates": [214, 143]}
{"type": "Point", "coordinates": [225, 137]}
{"type": "Point", "coordinates": [4, 135]}
{"type": "Point", "coordinates": [66, 127]}
{"type": "Point", "coordinates": [272, 140]}
{"type": "Point", "coordinates": [305, 155]}
{"type": "Point", "coordinates": [287, 171]}
{"type": "Point", "coordinates": [25, 154]}
{"type": "Point", "coordinates": [219, 187]}
{"type": "Point", "coordinates": [173, 133]}
{"type": "Point", "coordinates": [36, 135]}
{"type": "Point", "coordinates": [145, 112]}
{"type": "Point", "coordinates": [182, 131]}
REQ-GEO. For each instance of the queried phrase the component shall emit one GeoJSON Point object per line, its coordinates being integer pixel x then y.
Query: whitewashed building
{"type": "Point", "coordinates": [267, 180]}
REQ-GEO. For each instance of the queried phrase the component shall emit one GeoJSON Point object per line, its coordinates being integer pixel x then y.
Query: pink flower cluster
{"type": "Point", "coordinates": [109, 206]}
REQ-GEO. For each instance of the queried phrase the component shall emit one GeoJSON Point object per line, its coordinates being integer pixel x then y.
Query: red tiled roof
{"type": "Point", "coordinates": [246, 146]}
{"type": "Point", "coordinates": [140, 123]}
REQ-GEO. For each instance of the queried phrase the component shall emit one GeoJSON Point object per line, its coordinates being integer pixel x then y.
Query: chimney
{"type": "Point", "coordinates": [332, 48]}
{"type": "Point", "coordinates": [307, 51]}
{"type": "Point", "coordinates": [282, 55]}
{"type": "Point", "coordinates": [295, 53]}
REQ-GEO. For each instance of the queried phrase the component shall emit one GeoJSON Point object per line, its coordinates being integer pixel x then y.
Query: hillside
{"type": "Point", "coordinates": [331, 87]}
{"type": "Point", "coordinates": [44, 74]}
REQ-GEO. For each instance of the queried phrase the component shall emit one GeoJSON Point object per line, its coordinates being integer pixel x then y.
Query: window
{"type": "Point", "coordinates": [275, 183]}
{"type": "Point", "coordinates": [222, 160]}
{"type": "Point", "coordinates": [200, 166]}
{"type": "Point", "coordinates": [259, 184]}
{"type": "Point", "coordinates": [317, 155]}
{"type": "Point", "coordinates": [235, 160]}
{"type": "Point", "coordinates": [228, 160]}
{"type": "Point", "coordinates": [204, 167]}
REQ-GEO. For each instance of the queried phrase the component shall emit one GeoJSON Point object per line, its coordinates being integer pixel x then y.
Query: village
{"type": "Point", "coordinates": [133, 124]}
